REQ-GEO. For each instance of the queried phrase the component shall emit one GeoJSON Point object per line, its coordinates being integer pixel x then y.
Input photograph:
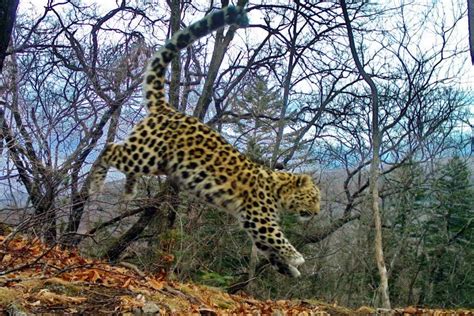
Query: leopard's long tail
{"type": "Point", "coordinates": [156, 70]}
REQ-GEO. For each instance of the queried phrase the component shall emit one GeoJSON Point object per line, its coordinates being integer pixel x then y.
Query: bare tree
{"type": "Point", "coordinates": [375, 163]}
{"type": "Point", "coordinates": [39, 137]}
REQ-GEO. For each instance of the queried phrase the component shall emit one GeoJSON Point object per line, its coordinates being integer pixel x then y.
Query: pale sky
{"type": "Point", "coordinates": [444, 10]}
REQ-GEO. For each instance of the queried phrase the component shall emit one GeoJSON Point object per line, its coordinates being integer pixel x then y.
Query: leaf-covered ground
{"type": "Point", "coordinates": [37, 279]}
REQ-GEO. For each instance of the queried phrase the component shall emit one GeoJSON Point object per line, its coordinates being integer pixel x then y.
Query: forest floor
{"type": "Point", "coordinates": [37, 279]}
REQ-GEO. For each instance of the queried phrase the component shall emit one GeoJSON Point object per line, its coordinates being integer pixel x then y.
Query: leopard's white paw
{"type": "Point", "coordinates": [296, 261]}
{"type": "Point", "coordinates": [293, 271]}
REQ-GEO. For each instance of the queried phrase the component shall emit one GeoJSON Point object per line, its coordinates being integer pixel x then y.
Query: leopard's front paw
{"type": "Point", "coordinates": [283, 267]}
{"type": "Point", "coordinates": [293, 272]}
{"type": "Point", "coordinates": [296, 260]}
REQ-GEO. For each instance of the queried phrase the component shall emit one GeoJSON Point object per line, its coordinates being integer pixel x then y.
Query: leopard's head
{"type": "Point", "coordinates": [301, 196]}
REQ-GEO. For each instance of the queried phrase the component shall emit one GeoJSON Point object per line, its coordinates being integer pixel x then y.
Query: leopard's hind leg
{"type": "Point", "coordinates": [99, 170]}
{"type": "Point", "coordinates": [112, 156]}
{"type": "Point", "coordinates": [107, 158]}
{"type": "Point", "coordinates": [130, 188]}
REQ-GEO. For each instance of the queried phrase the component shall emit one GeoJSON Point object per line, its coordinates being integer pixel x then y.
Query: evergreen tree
{"type": "Point", "coordinates": [261, 103]}
{"type": "Point", "coordinates": [450, 236]}
{"type": "Point", "coordinates": [431, 236]}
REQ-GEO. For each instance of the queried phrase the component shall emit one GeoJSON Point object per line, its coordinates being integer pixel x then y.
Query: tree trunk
{"type": "Point", "coordinates": [286, 91]}
{"type": "Point", "coordinates": [176, 62]}
{"type": "Point", "coordinates": [470, 17]}
{"type": "Point", "coordinates": [379, 255]}
{"type": "Point", "coordinates": [167, 200]}
{"type": "Point", "coordinates": [7, 20]}
{"type": "Point", "coordinates": [220, 48]}
{"type": "Point", "coordinates": [44, 221]}
{"type": "Point", "coordinates": [114, 251]}
{"type": "Point", "coordinates": [374, 166]}
{"type": "Point", "coordinates": [253, 261]}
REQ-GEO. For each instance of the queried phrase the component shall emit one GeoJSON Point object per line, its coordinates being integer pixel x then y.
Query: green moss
{"type": "Point", "coordinates": [58, 286]}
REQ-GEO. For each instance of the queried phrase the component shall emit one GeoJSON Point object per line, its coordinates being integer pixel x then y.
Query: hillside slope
{"type": "Point", "coordinates": [36, 279]}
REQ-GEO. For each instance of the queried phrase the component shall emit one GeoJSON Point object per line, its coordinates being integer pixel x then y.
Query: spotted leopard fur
{"type": "Point", "coordinates": [204, 163]}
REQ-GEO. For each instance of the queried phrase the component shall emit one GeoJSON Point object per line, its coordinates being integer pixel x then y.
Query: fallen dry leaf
{"type": "Point", "coordinates": [154, 284]}
{"type": "Point", "coordinates": [68, 282]}
{"type": "Point", "coordinates": [45, 295]}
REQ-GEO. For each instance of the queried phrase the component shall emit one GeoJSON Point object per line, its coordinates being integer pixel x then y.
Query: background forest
{"type": "Point", "coordinates": [373, 99]}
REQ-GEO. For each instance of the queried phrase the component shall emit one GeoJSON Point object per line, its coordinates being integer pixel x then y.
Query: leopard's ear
{"type": "Point", "coordinates": [303, 180]}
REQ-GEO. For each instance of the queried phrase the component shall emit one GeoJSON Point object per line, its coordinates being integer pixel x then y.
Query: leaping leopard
{"type": "Point", "coordinates": [204, 163]}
